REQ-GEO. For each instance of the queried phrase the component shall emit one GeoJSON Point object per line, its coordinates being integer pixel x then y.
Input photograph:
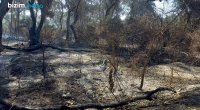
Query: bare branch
{"type": "Point", "coordinates": [148, 96]}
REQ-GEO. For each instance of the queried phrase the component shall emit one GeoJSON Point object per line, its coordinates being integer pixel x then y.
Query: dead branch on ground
{"type": "Point", "coordinates": [148, 96]}
{"type": "Point", "coordinates": [38, 47]}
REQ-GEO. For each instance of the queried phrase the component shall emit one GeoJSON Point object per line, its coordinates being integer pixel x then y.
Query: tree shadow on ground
{"type": "Point", "coordinates": [25, 65]}
{"type": "Point", "coordinates": [190, 98]}
{"type": "Point", "coordinates": [51, 92]}
{"type": "Point", "coordinates": [4, 92]}
{"type": "Point", "coordinates": [37, 94]}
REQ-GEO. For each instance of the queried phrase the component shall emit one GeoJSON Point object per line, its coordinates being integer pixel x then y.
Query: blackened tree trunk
{"type": "Point", "coordinates": [61, 16]}
{"type": "Point", "coordinates": [1, 31]}
{"type": "Point", "coordinates": [3, 10]}
{"type": "Point", "coordinates": [68, 24]}
{"type": "Point", "coordinates": [34, 40]}
{"type": "Point", "coordinates": [74, 9]}
{"type": "Point", "coordinates": [72, 26]}
{"type": "Point", "coordinates": [42, 20]}
{"type": "Point", "coordinates": [35, 31]}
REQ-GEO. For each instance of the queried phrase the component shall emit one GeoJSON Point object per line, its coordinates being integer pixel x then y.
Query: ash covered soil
{"type": "Point", "coordinates": [77, 78]}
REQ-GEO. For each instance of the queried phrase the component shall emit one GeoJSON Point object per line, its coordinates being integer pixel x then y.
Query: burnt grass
{"type": "Point", "coordinates": [34, 91]}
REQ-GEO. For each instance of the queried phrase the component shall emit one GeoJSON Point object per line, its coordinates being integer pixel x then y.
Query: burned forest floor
{"type": "Point", "coordinates": [76, 77]}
